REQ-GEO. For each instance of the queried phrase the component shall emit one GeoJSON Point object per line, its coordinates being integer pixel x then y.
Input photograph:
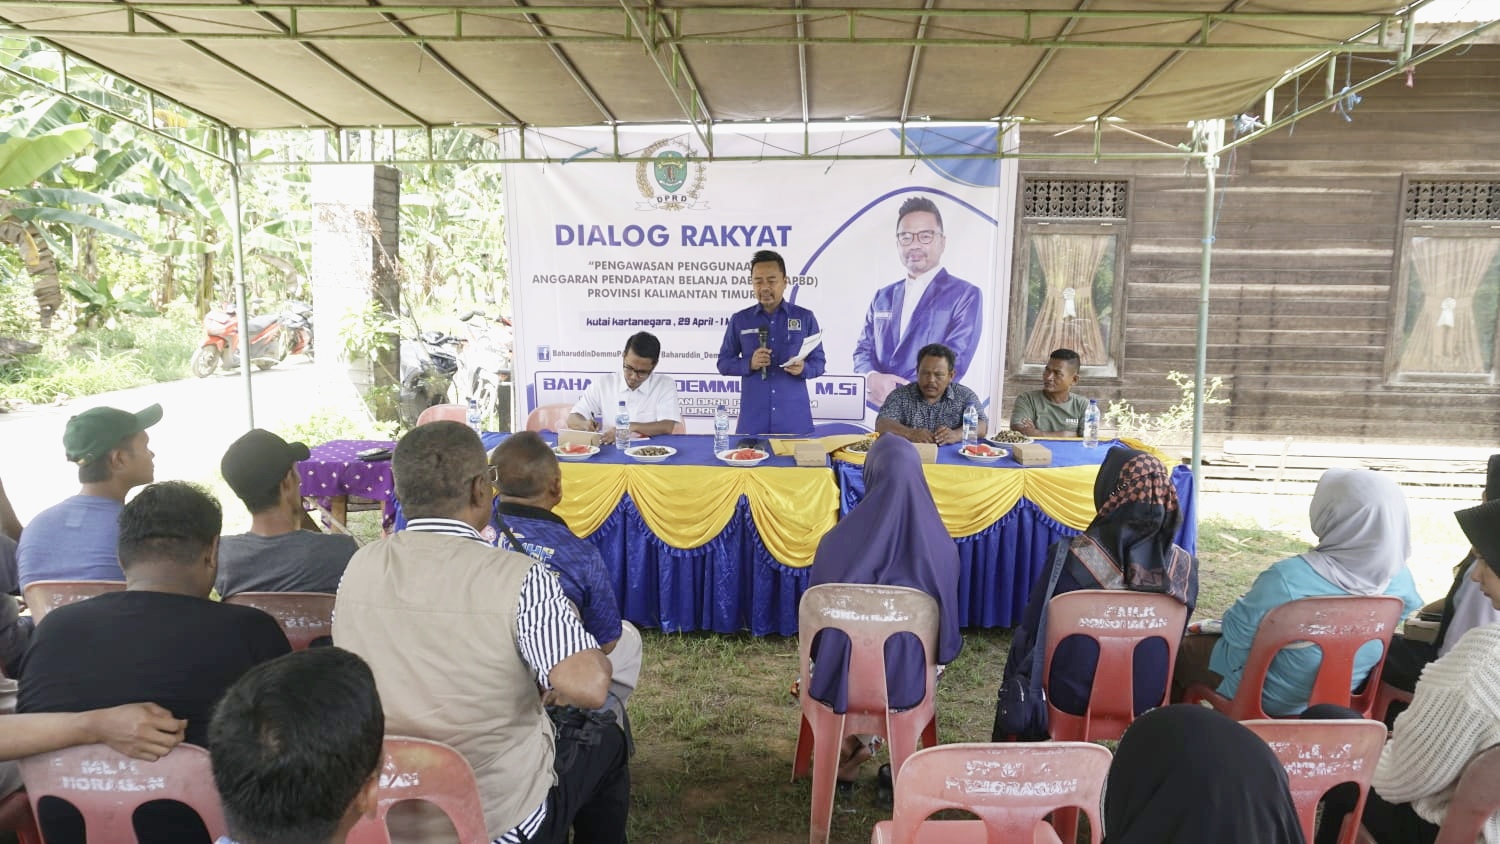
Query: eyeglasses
{"type": "Point", "coordinates": [639, 373]}
{"type": "Point", "coordinates": [923, 237]}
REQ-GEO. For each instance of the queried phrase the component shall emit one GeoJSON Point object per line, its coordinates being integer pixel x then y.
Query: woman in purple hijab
{"type": "Point", "coordinates": [893, 537]}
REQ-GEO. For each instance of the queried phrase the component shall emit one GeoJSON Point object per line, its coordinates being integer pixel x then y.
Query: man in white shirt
{"type": "Point", "coordinates": [651, 398]}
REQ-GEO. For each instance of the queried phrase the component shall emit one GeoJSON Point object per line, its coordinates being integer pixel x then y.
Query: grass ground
{"type": "Point", "coordinates": [715, 726]}
{"type": "Point", "coordinates": [139, 351]}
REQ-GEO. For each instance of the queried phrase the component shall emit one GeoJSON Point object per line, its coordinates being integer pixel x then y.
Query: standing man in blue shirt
{"type": "Point", "coordinates": [773, 396]}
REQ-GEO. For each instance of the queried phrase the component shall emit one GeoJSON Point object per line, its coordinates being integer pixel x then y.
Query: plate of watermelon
{"type": "Point", "coordinates": [981, 453]}
{"type": "Point", "coordinates": [742, 456]}
{"type": "Point", "coordinates": [575, 451]}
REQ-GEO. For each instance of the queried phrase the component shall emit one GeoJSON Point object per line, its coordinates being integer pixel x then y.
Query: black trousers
{"type": "Point", "coordinates": [592, 795]}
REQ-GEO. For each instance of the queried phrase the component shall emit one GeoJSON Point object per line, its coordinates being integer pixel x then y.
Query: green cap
{"type": "Point", "coordinates": [93, 433]}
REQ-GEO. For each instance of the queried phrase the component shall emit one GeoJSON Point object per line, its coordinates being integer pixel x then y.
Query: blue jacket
{"type": "Point", "coordinates": [579, 566]}
{"type": "Point", "coordinates": [778, 403]}
{"type": "Point", "coordinates": [951, 312]}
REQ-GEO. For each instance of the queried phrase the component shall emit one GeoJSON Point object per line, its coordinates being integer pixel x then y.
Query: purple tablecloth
{"type": "Point", "coordinates": [334, 469]}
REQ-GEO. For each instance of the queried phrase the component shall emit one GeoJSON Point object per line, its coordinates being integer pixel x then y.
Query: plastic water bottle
{"type": "Point", "coordinates": [1091, 425]}
{"type": "Point", "coordinates": [622, 427]}
{"type": "Point", "coordinates": [475, 421]}
{"type": "Point", "coordinates": [971, 425]}
{"type": "Point", "coordinates": [721, 429]}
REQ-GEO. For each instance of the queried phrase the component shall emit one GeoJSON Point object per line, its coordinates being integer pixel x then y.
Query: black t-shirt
{"type": "Point", "coordinates": [130, 647]}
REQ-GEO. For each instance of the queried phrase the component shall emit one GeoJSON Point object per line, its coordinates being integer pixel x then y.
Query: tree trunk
{"type": "Point", "coordinates": [40, 263]}
{"type": "Point", "coordinates": [167, 289]}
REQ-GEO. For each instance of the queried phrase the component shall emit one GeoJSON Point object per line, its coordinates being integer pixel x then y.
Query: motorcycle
{"type": "Point", "coordinates": [296, 321]}
{"type": "Point", "coordinates": [429, 363]}
{"type": "Point", "coordinates": [221, 346]}
{"type": "Point", "coordinates": [484, 365]}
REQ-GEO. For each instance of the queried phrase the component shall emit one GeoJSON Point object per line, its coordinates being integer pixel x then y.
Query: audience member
{"type": "Point", "coordinates": [893, 537]}
{"type": "Point", "coordinates": [159, 640]}
{"type": "Point", "coordinates": [296, 746]}
{"type": "Point", "coordinates": [529, 480]}
{"type": "Point", "coordinates": [1128, 546]}
{"type": "Point", "coordinates": [931, 408]}
{"type": "Point", "coordinates": [75, 539]}
{"type": "Point", "coordinates": [277, 555]}
{"type": "Point", "coordinates": [10, 526]}
{"type": "Point", "coordinates": [461, 636]}
{"type": "Point", "coordinates": [1464, 608]}
{"type": "Point", "coordinates": [15, 629]}
{"type": "Point", "coordinates": [1364, 539]}
{"type": "Point", "coordinates": [649, 396]}
{"type": "Point", "coordinates": [1187, 775]}
{"type": "Point", "coordinates": [1454, 714]}
{"type": "Point", "coordinates": [1054, 410]}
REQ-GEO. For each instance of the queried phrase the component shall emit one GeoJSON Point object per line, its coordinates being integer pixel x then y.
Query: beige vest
{"type": "Point", "coordinates": [435, 617]}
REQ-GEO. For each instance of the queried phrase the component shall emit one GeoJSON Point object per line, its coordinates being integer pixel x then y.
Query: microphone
{"type": "Point", "coordinates": [765, 340]}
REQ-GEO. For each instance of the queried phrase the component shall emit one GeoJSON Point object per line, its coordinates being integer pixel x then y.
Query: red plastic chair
{"type": "Point", "coordinates": [303, 616]}
{"type": "Point", "coordinates": [1118, 621]}
{"type": "Point", "coordinates": [1319, 755]}
{"type": "Point", "coordinates": [44, 596]}
{"type": "Point", "coordinates": [106, 786]}
{"type": "Point", "coordinates": [1388, 695]}
{"type": "Point", "coordinates": [868, 615]}
{"type": "Point", "coordinates": [418, 769]}
{"type": "Point", "coordinates": [1337, 624]}
{"type": "Point", "coordinates": [444, 413]}
{"type": "Point", "coordinates": [1011, 787]}
{"type": "Point", "coordinates": [16, 818]}
{"type": "Point", "coordinates": [548, 417]}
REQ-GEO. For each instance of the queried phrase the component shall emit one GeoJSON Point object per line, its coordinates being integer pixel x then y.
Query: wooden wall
{"type": "Point", "coordinates": [1304, 264]}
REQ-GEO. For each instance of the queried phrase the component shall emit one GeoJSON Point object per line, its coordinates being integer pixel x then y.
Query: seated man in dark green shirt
{"type": "Point", "coordinates": [1052, 411]}
{"type": "Point", "coordinates": [931, 408]}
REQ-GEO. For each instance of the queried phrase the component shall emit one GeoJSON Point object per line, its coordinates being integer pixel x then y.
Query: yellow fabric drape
{"type": "Point", "coordinates": [686, 506]}
{"type": "Point", "coordinates": [1068, 261]}
{"type": "Point", "coordinates": [1450, 270]}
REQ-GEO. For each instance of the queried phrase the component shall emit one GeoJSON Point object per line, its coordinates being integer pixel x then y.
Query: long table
{"type": "Point", "coordinates": [695, 544]}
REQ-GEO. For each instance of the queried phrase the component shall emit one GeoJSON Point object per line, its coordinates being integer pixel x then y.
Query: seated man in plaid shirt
{"type": "Point", "coordinates": [931, 408]}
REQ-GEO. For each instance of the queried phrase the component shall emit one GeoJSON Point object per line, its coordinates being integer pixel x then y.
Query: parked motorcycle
{"type": "Point", "coordinates": [221, 346]}
{"type": "Point", "coordinates": [429, 363]}
{"type": "Point", "coordinates": [296, 322]}
{"type": "Point", "coordinates": [484, 361]}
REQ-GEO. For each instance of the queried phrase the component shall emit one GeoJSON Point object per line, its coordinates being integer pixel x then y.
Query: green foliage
{"type": "Point", "coordinates": [138, 351]}
{"type": "Point", "coordinates": [100, 307]}
{"type": "Point", "coordinates": [369, 332]}
{"type": "Point", "coordinates": [337, 422]}
{"type": "Point", "coordinates": [1156, 429]}
{"type": "Point", "coordinates": [23, 160]}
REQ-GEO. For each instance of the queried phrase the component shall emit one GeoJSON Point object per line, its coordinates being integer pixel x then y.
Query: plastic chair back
{"type": "Point", "coordinates": [868, 615]}
{"type": "Point", "coordinates": [1319, 755]}
{"type": "Point", "coordinates": [1339, 625]}
{"type": "Point", "coordinates": [106, 786]}
{"type": "Point", "coordinates": [444, 413]}
{"type": "Point", "coordinates": [303, 616]}
{"type": "Point", "coordinates": [1475, 801]}
{"type": "Point", "coordinates": [418, 769]}
{"type": "Point", "coordinates": [16, 818]}
{"type": "Point", "coordinates": [548, 417]}
{"type": "Point", "coordinates": [44, 596]}
{"type": "Point", "coordinates": [1118, 621]}
{"type": "Point", "coordinates": [1011, 787]}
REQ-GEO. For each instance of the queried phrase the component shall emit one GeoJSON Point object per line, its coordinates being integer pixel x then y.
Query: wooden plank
{"type": "Point", "coordinates": [1243, 448]}
{"type": "Point", "coordinates": [1326, 292]}
{"type": "Point", "coordinates": [1332, 333]}
{"type": "Point", "coordinates": [1187, 319]}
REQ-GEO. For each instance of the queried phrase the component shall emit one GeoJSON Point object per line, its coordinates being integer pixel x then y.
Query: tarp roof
{"type": "Point", "coordinates": [426, 63]}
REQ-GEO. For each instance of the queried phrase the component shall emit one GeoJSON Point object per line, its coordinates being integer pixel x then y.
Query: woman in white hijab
{"type": "Point", "coordinates": [1364, 538]}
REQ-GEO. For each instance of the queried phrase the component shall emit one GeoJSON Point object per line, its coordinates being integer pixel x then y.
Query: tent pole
{"type": "Point", "coordinates": [241, 295]}
{"type": "Point", "coordinates": [1213, 136]}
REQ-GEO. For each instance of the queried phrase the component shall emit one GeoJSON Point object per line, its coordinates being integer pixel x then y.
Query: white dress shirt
{"type": "Point", "coordinates": [655, 400]}
{"type": "Point", "coordinates": [912, 294]}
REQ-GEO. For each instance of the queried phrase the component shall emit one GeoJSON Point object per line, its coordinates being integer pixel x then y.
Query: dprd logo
{"type": "Point", "coordinates": [670, 177]}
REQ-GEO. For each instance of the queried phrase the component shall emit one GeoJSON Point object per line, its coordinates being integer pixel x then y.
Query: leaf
{"type": "Point", "coordinates": [24, 160]}
{"type": "Point", "coordinates": [37, 213]}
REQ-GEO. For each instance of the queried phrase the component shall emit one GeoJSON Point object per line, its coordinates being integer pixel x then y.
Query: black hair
{"type": "Point", "coordinates": [262, 500]}
{"type": "Point", "coordinates": [433, 465]}
{"type": "Point", "coordinates": [645, 345]}
{"type": "Point", "coordinates": [938, 350]}
{"type": "Point", "coordinates": [97, 471]}
{"type": "Point", "coordinates": [1066, 356]}
{"type": "Point", "coordinates": [172, 521]}
{"type": "Point", "coordinates": [526, 465]}
{"type": "Point", "coordinates": [766, 255]}
{"type": "Point", "coordinates": [919, 203]}
{"type": "Point", "coordinates": [292, 742]}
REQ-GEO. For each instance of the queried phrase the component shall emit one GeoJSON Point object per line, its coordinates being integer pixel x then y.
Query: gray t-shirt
{"type": "Point", "coordinates": [1047, 416]}
{"type": "Point", "coordinates": [300, 561]}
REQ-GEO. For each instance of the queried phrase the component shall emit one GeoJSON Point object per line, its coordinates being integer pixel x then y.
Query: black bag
{"type": "Point", "coordinates": [1021, 710]}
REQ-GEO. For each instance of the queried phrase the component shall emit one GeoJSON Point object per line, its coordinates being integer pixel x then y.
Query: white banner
{"type": "Point", "coordinates": [599, 251]}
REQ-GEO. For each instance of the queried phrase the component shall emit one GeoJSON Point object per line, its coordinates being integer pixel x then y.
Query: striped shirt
{"type": "Point", "coordinates": [548, 631]}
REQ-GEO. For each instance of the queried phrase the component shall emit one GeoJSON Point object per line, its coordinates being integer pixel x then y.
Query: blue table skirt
{"type": "Point", "coordinates": [732, 583]}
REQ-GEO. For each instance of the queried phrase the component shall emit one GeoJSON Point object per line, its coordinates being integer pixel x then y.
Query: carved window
{"type": "Point", "coordinates": [1074, 199]}
{"type": "Point", "coordinates": [1453, 201]}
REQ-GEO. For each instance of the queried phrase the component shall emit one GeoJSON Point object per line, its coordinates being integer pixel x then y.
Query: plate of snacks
{"type": "Point", "coordinates": [861, 447]}
{"type": "Point", "coordinates": [981, 453]}
{"type": "Point", "coordinates": [1008, 438]}
{"type": "Point", "coordinates": [743, 456]}
{"type": "Point", "coordinates": [575, 451]}
{"type": "Point", "coordinates": [650, 453]}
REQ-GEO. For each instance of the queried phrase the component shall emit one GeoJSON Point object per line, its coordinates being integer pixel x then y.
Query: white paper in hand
{"type": "Point", "coordinates": [808, 345]}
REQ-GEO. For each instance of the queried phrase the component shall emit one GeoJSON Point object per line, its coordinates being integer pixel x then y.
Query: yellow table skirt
{"type": "Point", "coordinates": [686, 506]}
